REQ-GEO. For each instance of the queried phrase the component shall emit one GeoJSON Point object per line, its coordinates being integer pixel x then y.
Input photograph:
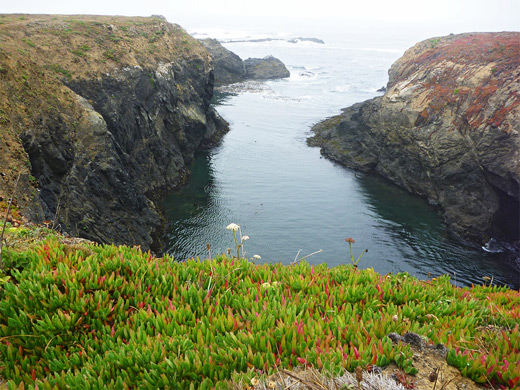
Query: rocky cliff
{"type": "Point", "coordinates": [229, 67]}
{"type": "Point", "coordinates": [447, 128]}
{"type": "Point", "coordinates": [101, 115]}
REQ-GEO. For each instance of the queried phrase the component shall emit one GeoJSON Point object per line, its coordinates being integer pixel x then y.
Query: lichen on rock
{"type": "Point", "coordinates": [447, 128]}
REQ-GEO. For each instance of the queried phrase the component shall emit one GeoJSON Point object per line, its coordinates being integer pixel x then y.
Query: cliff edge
{"type": "Point", "coordinates": [100, 115]}
{"type": "Point", "coordinates": [447, 128]}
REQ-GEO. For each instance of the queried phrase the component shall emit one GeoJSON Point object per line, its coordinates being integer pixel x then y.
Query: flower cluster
{"type": "Point", "coordinates": [239, 240]}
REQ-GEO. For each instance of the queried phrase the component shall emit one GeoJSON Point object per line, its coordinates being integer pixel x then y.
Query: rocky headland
{"type": "Point", "coordinates": [230, 68]}
{"type": "Point", "coordinates": [100, 116]}
{"type": "Point", "coordinates": [447, 128]}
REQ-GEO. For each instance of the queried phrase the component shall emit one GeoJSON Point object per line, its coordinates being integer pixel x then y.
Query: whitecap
{"type": "Point", "coordinates": [493, 246]}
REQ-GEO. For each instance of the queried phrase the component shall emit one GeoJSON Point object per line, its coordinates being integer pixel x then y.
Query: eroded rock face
{"type": "Point", "coordinates": [229, 67]}
{"type": "Point", "coordinates": [106, 141]}
{"type": "Point", "coordinates": [447, 128]}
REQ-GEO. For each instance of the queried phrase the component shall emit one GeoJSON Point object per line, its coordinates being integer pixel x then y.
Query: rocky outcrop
{"type": "Point", "coordinates": [301, 39]}
{"type": "Point", "coordinates": [109, 113]}
{"type": "Point", "coordinates": [447, 128]}
{"type": "Point", "coordinates": [229, 67]}
{"type": "Point", "coordinates": [265, 68]}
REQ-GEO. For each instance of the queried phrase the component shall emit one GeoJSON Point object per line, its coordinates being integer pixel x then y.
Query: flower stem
{"type": "Point", "coordinates": [359, 258]}
{"type": "Point", "coordinates": [236, 244]}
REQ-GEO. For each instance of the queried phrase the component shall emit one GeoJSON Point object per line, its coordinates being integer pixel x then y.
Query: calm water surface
{"type": "Point", "coordinates": [289, 199]}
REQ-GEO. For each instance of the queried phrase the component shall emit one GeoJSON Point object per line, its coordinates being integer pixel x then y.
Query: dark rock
{"type": "Point", "coordinates": [419, 343]}
{"type": "Point", "coordinates": [265, 68]}
{"type": "Point", "coordinates": [394, 337]}
{"type": "Point", "coordinates": [447, 128]}
{"type": "Point", "coordinates": [229, 67]}
{"type": "Point", "coordinates": [382, 89]}
{"type": "Point", "coordinates": [130, 135]}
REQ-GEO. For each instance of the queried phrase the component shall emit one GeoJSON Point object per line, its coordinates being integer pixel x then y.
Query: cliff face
{"type": "Point", "coordinates": [447, 128]}
{"type": "Point", "coordinates": [229, 67]}
{"type": "Point", "coordinates": [101, 115]}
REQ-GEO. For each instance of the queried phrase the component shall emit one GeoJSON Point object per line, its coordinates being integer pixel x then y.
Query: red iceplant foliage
{"type": "Point", "coordinates": [457, 59]}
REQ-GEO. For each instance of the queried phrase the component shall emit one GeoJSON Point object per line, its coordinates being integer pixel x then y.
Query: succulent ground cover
{"type": "Point", "coordinates": [469, 70]}
{"type": "Point", "coordinates": [80, 315]}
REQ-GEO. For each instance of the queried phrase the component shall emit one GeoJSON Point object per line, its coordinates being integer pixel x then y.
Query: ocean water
{"type": "Point", "coordinates": [289, 200]}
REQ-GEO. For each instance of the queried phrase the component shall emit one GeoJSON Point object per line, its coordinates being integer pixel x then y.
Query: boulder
{"type": "Point", "coordinates": [229, 67]}
{"type": "Point", "coordinates": [265, 68]}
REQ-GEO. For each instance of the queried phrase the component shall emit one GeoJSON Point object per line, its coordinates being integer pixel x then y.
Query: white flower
{"type": "Point", "coordinates": [233, 226]}
{"type": "Point", "coordinates": [245, 238]}
{"type": "Point", "coordinates": [258, 257]}
{"type": "Point", "coordinates": [266, 285]}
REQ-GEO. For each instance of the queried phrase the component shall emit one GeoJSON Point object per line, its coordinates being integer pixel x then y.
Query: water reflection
{"type": "Point", "coordinates": [406, 234]}
{"type": "Point", "coordinates": [184, 207]}
{"type": "Point", "coordinates": [425, 245]}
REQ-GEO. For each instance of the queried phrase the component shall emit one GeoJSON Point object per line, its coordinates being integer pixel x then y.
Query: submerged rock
{"type": "Point", "coordinates": [292, 40]}
{"type": "Point", "coordinates": [447, 128]}
{"type": "Point", "coordinates": [301, 39]}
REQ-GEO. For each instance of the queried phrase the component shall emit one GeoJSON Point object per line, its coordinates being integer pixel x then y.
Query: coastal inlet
{"type": "Point", "coordinates": [290, 200]}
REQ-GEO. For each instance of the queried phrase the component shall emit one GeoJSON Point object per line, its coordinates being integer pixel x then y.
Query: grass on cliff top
{"type": "Point", "coordinates": [40, 54]}
{"type": "Point", "coordinates": [72, 46]}
{"type": "Point", "coordinates": [80, 315]}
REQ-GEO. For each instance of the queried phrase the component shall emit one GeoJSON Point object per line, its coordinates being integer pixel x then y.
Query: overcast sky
{"type": "Point", "coordinates": [454, 15]}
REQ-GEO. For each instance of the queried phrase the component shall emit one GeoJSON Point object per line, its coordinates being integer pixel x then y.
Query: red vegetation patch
{"type": "Point", "coordinates": [458, 58]}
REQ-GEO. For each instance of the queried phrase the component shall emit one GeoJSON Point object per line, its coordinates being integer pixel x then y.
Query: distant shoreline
{"type": "Point", "coordinates": [292, 40]}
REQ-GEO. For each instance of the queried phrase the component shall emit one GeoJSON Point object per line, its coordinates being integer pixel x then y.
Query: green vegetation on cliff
{"type": "Point", "coordinates": [101, 115]}
{"type": "Point", "coordinates": [447, 129]}
{"type": "Point", "coordinates": [40, 52]}
{"type": "Point", "coordinates": [79, 315]}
